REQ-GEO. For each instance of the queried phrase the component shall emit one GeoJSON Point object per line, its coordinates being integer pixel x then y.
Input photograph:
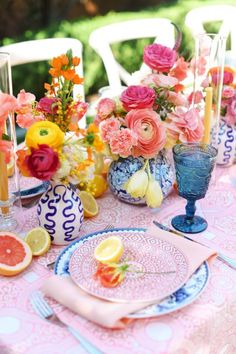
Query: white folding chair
{"type": "Point", "coordinates": [102, 38]}
{"type": "Point", "coordinates": [197, 18]}
{"type": "Point", "coordinates": [45, 49]}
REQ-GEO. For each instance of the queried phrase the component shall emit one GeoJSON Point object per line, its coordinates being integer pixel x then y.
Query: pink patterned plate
{"type": "Point", "coordinates": [145, 254]}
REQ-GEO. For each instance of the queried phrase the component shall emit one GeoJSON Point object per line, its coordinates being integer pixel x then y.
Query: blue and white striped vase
{"type": "Point", "coordinates": [61, 213]}
{"type": "Point", "coordinates": [122, 169]}
{"type": "Point", "coordinates": [226, 144]}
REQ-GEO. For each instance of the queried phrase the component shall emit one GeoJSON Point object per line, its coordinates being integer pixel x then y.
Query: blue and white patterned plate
{"type": "Point", "coordinates": [182, 297]}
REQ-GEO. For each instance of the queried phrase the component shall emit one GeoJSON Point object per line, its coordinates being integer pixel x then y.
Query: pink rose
{"type": "Point", "coordinates": [122, 142]}
{"type": "Point", "coordinates": [8, 104]}
{"type": "Point", "coordinates": [159, 57]}
{"type": "Point", "coordinates": [24, 101]}
{"type": "Point", "coordinates": [227, 92]}
{"type": "Point", "coordinates": [148, 127]}
{"type": "Point", "coordinates": [137, 97]}
{"type": "Point", "coordinates": [188, 124]}
{"type": "Point", "coordinates": [48, 105]}
{"type": "Point", "coordinates": [179, 71]}
{"type": "Point", "coordinates": [107, 128]}
{"type": "Point", "coordinates": [160, 80]}
{"type": "Point", "coordinates": [228, 77]}
{"type": "Point", "coordinates": [42, 162]}
{"type": "Point", "coordinates": [106, 106]}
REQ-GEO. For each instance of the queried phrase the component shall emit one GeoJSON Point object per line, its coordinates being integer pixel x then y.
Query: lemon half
{"type": "Point", "coordinates": [89, 204]}
{"type": "Point", "coordinates": [39, 241]}
{"type": "Point", "coordinates": [109, 250]}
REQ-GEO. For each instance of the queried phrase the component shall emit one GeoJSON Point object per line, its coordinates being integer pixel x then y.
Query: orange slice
{"type": "Point", "coordinates": [15, 254]}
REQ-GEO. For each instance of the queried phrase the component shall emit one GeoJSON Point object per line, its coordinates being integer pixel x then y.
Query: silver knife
{"type": "Point", "coordinates": [230, 261]}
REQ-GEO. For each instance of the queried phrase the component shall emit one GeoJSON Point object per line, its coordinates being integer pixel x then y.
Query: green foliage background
{"type": "Point", "coordinates": [32, 77]}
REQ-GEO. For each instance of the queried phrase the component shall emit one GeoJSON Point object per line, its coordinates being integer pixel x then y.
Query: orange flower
{"type": "Point", "coordinates": [68, 74]}
{"type": "Point", "coordinates": [21, 155]}
{"type": "Point", "coordinates": [75, 61]}
{"type": "Point", "coordinates": [78, 80]}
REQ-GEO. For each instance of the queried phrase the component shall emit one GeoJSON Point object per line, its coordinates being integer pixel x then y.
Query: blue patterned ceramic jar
{"type": "Point", "coordinates": [122, 169]}
{"type": "Point", "coordinates": [60, 212]}
{"type": "Point", "coordinates": [226, 144]}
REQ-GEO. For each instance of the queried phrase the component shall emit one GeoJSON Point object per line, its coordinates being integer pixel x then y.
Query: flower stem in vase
{"type": "Point", "coordinates": [3, 183]}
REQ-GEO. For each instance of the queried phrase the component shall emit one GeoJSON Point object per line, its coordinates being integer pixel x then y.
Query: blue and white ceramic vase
{"type": "Point", "coordinates": [226, 144]}
{"type": "Point", "coordinates": [61, 213]}
{"type": "Point", "coordinates": [122, 169]}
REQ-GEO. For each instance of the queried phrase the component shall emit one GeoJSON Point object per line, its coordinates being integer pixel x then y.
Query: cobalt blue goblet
{"type": "Point", "coordinates": [194, 163]}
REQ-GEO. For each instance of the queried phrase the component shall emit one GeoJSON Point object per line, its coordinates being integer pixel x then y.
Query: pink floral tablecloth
{"type": "Point", "coordinates": [207, 326]}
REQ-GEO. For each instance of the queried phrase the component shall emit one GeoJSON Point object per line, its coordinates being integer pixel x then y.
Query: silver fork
{"type": "Point", "coordinates": [107, 227]}
{"type": "Point", "coordinates": [44, 310]}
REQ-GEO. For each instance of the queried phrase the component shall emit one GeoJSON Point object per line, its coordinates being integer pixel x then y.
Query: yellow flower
{"type": "Point", "coordinates": [154, 195]}
{"type": "Point", "coordinates": [137, 184]}
{"type": "Point", "coordinates": [44, 132]}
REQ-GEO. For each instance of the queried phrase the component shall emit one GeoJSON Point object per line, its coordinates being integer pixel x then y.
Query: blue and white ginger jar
{"type": "Point", "coordinates": [61, 213]}
{"type": "Point", "coordinates": [123, 168]}
{"type": "Point", "coordinates": [226, 144]}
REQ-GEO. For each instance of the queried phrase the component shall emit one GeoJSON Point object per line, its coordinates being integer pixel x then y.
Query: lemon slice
{"type": "Point", "coordinates": [89, 204]}
{"type": "Point", "coordinates": [109, 250]}
{"type": "Point", "coordinates": [39, 241]}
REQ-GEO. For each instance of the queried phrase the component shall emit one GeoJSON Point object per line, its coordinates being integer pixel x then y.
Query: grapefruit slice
{"type": "Point", "coordinates": [15, 254]}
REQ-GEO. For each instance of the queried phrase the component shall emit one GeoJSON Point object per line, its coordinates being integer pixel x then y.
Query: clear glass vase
{"type": "Point", "coordinates": [11, 216]}
{"type": "Point", "coordinates": [208, 82]}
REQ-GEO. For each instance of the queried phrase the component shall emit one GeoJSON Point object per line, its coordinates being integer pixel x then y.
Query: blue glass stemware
{"type": "Point", "coordinates": [194, 163]}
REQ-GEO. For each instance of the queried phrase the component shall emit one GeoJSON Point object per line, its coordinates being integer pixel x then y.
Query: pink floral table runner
{"type": "Point", "coordinates": [206, 326]}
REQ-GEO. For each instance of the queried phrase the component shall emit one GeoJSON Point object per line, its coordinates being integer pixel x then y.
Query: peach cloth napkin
{"type": "Point", "coordinates": [111, 314]}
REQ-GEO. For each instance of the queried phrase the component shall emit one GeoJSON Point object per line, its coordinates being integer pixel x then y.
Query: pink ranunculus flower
{"type": "Point", "coordinates": [137, 97]}
{"type": "Point", "coordinates": [159, 58]}
{"type": "Point", "coordinates": [24, 101]}
{"type": "Point", "coordinates": [179, 71]}
{"type": "Point", "coordinates": [105, 108]}
{"type": "Point", "coordinates": [48, 105]}
{"type": "Point", "coordinates": [122, 142]}
{"type": "Point", "coordinates": [108, 127]}
{"type": "Point", "coordinates": [228, 77]}
{"type": "Point", "coordinates": [150, 130]}
{"type": "Point", "coordinates": [188, 124]}
{"type": "Point", "coordinates": [160, 80]}
{"type": "Point", "coordinates": [8, 104]}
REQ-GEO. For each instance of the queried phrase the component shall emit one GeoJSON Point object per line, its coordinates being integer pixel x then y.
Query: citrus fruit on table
{"type": "Point", "coordinates": [109, 250]}
{"type": "Point", "coordinates": [15, 254]}
{"type": "Point", "coordinates": [39, 241]}
{"type": "Point", "coordinates": [99, 185]}
{"type": "Point", "coordinates": [89, 204]}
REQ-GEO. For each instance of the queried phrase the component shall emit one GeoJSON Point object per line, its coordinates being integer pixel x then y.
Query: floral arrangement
{"type": "Point", "coordinates": [151, 114]}
{"type": "Point", "coordinates": [228, 101]}
{"type": "Point", "coordinates": [56, 148]}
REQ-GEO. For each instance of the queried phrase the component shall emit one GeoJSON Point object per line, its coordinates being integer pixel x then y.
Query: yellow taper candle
{"type": "Point", "coordinates": [207, 115]}
{"type": "Point", "coordinates": [3, 182]}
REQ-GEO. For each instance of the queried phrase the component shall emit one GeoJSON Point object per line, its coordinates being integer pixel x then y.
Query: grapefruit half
{"type": "Point", "coordinates": [15, 254]}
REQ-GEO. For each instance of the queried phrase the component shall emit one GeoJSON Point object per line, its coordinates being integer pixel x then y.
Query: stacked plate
{"type": "Point", "coordinates": [163, 269]}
